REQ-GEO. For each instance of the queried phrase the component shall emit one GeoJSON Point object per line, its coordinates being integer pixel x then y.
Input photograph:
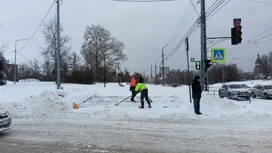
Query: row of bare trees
{"type": "Point", "coordinates": [217, 73]}
{"type": "Point", "coordinates": [97, 60]}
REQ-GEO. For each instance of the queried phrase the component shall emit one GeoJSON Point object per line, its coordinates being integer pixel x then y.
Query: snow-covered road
{"type": "Point", "coordinates": [148, 135]}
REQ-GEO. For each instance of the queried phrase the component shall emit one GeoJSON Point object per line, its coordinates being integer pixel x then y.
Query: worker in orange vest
{"type": "Point", "coordinates": [133, 84]}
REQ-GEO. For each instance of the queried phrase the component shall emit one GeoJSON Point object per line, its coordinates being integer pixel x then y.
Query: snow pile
{"type": "Point", "coordinates": [47, 104]}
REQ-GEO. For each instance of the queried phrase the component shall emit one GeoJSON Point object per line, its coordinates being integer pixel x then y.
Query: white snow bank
{"type": "Point", "coordinates": [47, 104]}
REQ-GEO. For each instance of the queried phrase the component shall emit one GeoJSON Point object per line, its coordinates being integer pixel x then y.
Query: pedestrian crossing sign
{"type": "Point", "coordinates": [218, 55]}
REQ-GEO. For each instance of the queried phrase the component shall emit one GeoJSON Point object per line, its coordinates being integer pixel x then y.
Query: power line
{"type": "Point", "coordinates": [248, 42]}
{"type": "Point", "coordinates": [214, 8]}
{"type": "Point", "coordinates": [194, 8]}
{"type": "Point", "coordinates": [173, 36]}
{"type": "Point", "coordinates": [144, 0]}
{"type": "Point", "coordinates": [23, 56]}
{"type": "Point", "coordinates": [38, 26]}
{"type": "Point", "coordinates": [211, 6]}
{"type": "Point", "coordinates": [180, 26]}
{"type": "Point", "coordinates": [209, 16]}
{"type": "Point", "coordinates": [178, 33]}
{"type": "Point", "coordinates": [251, 43]}
{"type": "Point", "coordinates": [191, 31]}
{"type": "Point", "coordinates": [262, 2]}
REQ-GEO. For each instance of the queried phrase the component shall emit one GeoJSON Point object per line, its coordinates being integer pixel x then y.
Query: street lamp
{"type": "Point", "coordinates": [155, 71]}
{"type": "Point", "coordinates": [156, 77]}
{"type": "Point", "coordinates": [163, 65]}
{"type": "Point", "coordinates": [104, 70]}
{"type": "Point", "coordinates": [15, 68]}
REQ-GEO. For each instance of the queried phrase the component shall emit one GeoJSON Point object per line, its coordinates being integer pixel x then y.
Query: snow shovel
{"type": "Point", "coordinates": [76, 106]}
{"type": "Point", "coordinates": [122, 101]}
{"type": "Point", "coordinates": [150, 100]}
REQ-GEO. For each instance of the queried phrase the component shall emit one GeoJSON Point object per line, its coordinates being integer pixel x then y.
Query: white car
{"type": "Point", "coordinates": [234, 91]}
{"type": "Point", "coordinates": [264, 91]}
{"type": "Point", "coordinates": [5, 120]}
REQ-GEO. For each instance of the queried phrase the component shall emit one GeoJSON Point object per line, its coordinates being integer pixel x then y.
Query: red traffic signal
{"type": "Point", "coordinates": [238, 28]}
{"type": "Point", "coordinates": [236, 35]}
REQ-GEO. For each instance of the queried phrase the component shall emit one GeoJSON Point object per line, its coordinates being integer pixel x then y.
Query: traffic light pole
{"type": "Point", "coordinates": [58, 44]}
{"type": "Point", "coordinates": [219, 38]}
{"type": "Point", "coordinates": [204, 79]}
{"type": "Point", "coordinates": [188, 67]}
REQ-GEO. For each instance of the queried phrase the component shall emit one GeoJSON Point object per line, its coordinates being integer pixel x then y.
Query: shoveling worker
{"type": "Point", "coordinates": [141, 87]}
{"type": "Point", "coordinates": [133, 84]}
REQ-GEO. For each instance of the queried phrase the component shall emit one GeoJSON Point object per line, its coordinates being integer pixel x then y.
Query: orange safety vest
{"type": "Point", "coordinates": [133, 82]}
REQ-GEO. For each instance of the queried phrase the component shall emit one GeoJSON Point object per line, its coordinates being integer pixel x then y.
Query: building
{"type": "Point", "coordinates": [257, 69]}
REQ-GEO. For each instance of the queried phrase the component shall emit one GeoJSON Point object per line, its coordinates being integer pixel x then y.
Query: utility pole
{"type": "Point", "coordinates": [104, 71]}
{"type": "Point", "coordinates": [163, 81]}
{"type": "Point", "coordinates": [188, 67]}
{"type": "Point", "coordinates": [58, 44]}
{"type": "Point", "coordinates": [15, 67]}
{"type": "Point", "coordinates": [151, 74]}
{"type": "Point", "coordinates": [223, 69]}
{"type": "Point", "coordinates": [156, 73]}
{"type": "Point", "coordinates": [118, 72]}
{"type": "Point", "coordinates": [204, 79]}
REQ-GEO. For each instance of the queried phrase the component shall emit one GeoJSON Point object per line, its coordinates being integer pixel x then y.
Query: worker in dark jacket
{"type": "Point", "coordinates": [197, 90]}
{"type": "Point", "coordinates": [141, 87]}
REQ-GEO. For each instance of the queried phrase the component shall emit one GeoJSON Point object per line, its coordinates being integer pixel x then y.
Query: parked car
{"type": "Point", "coordinates": [234, 91]}
{"type": "Point", "coordinates": [5, 120]}
{"type": "Point", "coordinates": [246, 86]}
{"type": "Point", "coordinates": [264, 91]}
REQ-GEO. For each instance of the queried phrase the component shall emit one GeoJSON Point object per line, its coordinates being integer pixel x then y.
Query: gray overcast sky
{"type": "Point", "coordinates": [144, 28]}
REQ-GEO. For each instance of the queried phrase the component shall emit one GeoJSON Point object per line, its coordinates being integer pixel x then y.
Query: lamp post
{"type": "Point", "coordinates": [15, 68]}
{"type": "Point", "coordinates": [155, 71]}
{"type": "Point", "coordinates": [163, 83]}
{"type": "Point", "coordinates": [104, 70]}
{"type": "Point", "coordinates": [156, 77]}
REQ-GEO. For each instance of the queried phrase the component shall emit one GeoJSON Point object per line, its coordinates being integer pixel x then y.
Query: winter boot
{"type": "Point", "coordinates": [149, 105]}
{"type": "Point", "coordinates": [142, 104]}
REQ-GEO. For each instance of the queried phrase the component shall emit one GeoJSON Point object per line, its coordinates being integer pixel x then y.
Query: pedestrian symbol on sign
{"type": "Point", "coordinates": [218, 55]}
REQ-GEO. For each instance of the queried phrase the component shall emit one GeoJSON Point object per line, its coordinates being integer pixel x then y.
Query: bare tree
{"type": "Point", "coordinates": [50, 49]}
{"type": "Point", "coordinates": [264, 67]}
{"type": "Point", "coordinates": [3, 46]}
{"type": "Point", "coordinates": [218, 71]}
{"type": "Point", "coordinates": [99, 47]}
{"type": "Point", "coordinates": [35, 68]}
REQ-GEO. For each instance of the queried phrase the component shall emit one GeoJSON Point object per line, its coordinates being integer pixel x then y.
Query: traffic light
{"type": "Point", "coordinates": [236, 35]}
{"type": "Point", "coordinates": [197, 65]}
{"type": "Point", "coordinates": [207, 64]}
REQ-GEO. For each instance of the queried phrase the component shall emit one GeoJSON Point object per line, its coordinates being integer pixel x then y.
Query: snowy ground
{"type": "Point", "coordinates": [43, 115]}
